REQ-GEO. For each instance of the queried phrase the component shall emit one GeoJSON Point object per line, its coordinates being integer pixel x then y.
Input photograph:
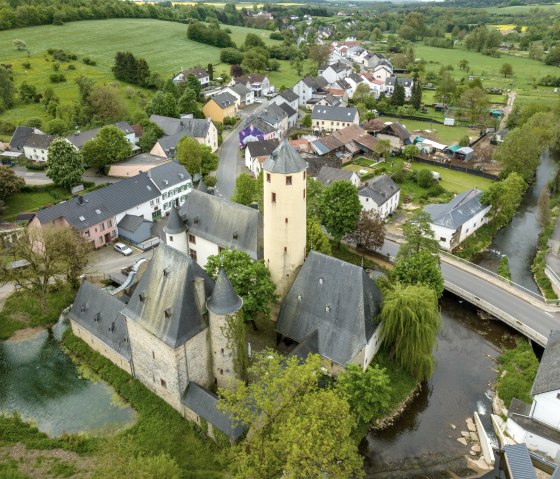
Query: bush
{"type": "Point", "coordinates": [424, 178]}
{"type": "Point", "coordinates": [230, 120]}
{"type": "Point", "coordinates": [33, 166]}
{"type": "Point", "coordinates": [517, 371]}
{"type": "Point", "coordinates": [57, 78]}
{"type": "Point", "coordinates": [33, 122]}
{"type": "Point", "coordinates": [26, 65]}
{"type": "Point", "coordinates": [276, 36]}
{"type": "Point", "coordinates": [89, 61]}
{"type": "Point", "coordinates": [71, 67]}
{"type": "Point", "coordinates": [399, 175]}
{"type": "Point", "coordinates": [231, 56]}
{"type": "Point", "coordinates": [436, 190]}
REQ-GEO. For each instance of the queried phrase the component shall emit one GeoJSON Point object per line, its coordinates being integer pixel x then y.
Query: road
{"type": "Point", "coordinates": [529, 314]}
{"type": "Point", "coordinates": [230, 158]}
{"type": "Point", "coordinates": [40, 178]}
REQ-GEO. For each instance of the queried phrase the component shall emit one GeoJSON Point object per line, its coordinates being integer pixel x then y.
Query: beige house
{"type": "Point", "coordinates": [135, 165]}
{"type": "Point", "coordinates": [333, 118]}
{"type": "Point", "coordinates": [223, 105]}
{"type": "Point", "coordinates": [174, 129]}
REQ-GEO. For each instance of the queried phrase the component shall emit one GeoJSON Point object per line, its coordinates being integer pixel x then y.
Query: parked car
{"type": "Point", "coordinates": [258, 100]}
{"type": "Point", "coordinates": [122, 249]}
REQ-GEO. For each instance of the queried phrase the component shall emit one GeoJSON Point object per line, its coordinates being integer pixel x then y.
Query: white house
{"type": "Point", "coordinates": [307, 87]}
{"type": "Point", "coordinates": [328, 175]}
{"type": "Point", "coordinates": [538, 425]}
{"type": "Point", "coordinates": [244, 96]}
{"type": "Point", "coordinates": [174, 129]}
{"type": "Point", "coordinates": [36, 147]}
{"type": "Point", "coordinates": [257, 152]}
{"type": "Point", "coordinates": [174, 183]}
{"type": "Point", "coordinates": [333, 118]}
{"type": "Point", "coordinates": [286, 96]}
{"type": "Point", "coordinates": [79, 138]}
{"type": "Point", "coordinates": [276, 117]}
{"type": "Point", "coordinates": [453, 222]}
{"type": "Point", "coordinates": [381, 195]}
{"type": "Point", "coordinates": [336, 71]}
{"type": "Point", "coordinates": [382, 73]}
{"type": "Point", "coordinates": [357, 54]}
{"type": "Point", "coordinates": [200, 74]}
{"type": "Point", "coordinates": [259, 84]}
{"type": "Point", "coordinates": [405, 82]}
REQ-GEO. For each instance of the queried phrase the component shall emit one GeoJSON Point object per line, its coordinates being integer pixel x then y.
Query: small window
{"type": "Point", "coordinates": [193, 254]}
{"type": "Point", "coordinates": [268, 177]}
{"type": "Point", "coordinates": [274, 197]}
{"type": "Point", "coordinates": [153, 355]}
{"type": "Point", "coordinates": [222, 350]}
{"type": "Point", "coordinates": [192, 239]}
{"type": "Point", "coordinates": [442, 240]}
{"type": "Point", "coordinates": [288, 180]}
{"type": "Point", "coordinates": [163, 383]}
{"type": "Point", "coordinates": [304, 193]}
{"type": "Point", "coordinates": [285, 249]}
{"type": "Point", "coordinates": [286, 220]}
{"type": "Point", "coordinates": [109, 223]}
{"type": "Point", "coordinates": [171, 238]}
{"type": "Point", "coordinates": [221, 371]}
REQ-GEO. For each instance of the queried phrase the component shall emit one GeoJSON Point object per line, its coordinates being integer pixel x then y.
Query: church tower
{"type": "Point", "coordinates": [284, 215]}
{"type": "Point", "coordinates": [227, 332]}
{"type": "Point", "coordinates": [176, 232]}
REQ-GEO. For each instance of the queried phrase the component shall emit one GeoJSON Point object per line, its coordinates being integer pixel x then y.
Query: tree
{"type": "Point", "coordinates": [109, 146]}
{"type": "Point", "coordinates": [447, 88]}
{"type": "Point", "coordinates": [544, 207]}
{"type": "Point", "coordinates": [424, 178]}
{"type": "Point", "coordinates": [57, 127]}
{"type": "Point", "coordinates": [315, 190]}
{"type": "Point", "coordinates": [368, 392]}
{"type": "Point", "coordinates": [7, 88]}
{"type": "Point", "coordinates": [52, 253]}
{"type": "Point", "coordinates": [475, 104]}
{"type": "Point", "coordinates": [370, 230]}
{"type": "Point", "coordinates": [255, 59]}
{"type": "Point", "coordinates": [195, 157]}
{"type": "Point", "coordinates": [416, 94]}
{"type": "Point", "coordinates": [317, 240]}
{"type": "Point", "coordinates": [306, 121]}
{"type": "Point", "coordinates": [504, 196]}
{"type": "Point", "coordinates": [463, 64]}
{"type": "Point", "coordinates": [106, 104]}
{"type": "Point", "coordinates": [245, 189]}
{"type": "Point", "coordinates": [192, 83]}
{"type": "Point", "coordinates": [398, 97]}
{"type": "Point", "coordinates": [163, 104]}
{"type": "Point", "coordinates": [419, 268]}
{"type": "Point", "coordinates": [340, 209]}
{"type": "Point", "coordinates": [28, 93]}
{"type": "Point", "coordinates": [10, 183]}
{"type": "Point", "coordinates": [187, 103]}
{"type": "Point", "coordinates": [319, 54]}
{"type": "Point", "coordinates": [409, 152]}
{"type": "Point", "coordinates": [381, 147]}
{"type": "Point", "coordinates": [418, 235]}
{"type": "Point", "coordinates": [64, 164]}
{"type": "Point", "coordinates": [519, 153]}
{"type": "Point", "coordinates": [231, 56]}
{"type": "Point", "coordinates": [411, 321]}
{"type": "Point", "coordinates": [252, 40]}
{"type": "Point", "coordinates": [250, 279]}
{"type": "Point", "coordinates": [298, 429]}
{"type": "Point", "coordinates": [362, 93]}
{"type": "Point", "coordinates": [151, 133]}
{"type": "Point", "coordinates": [20, 44]}
{"type": "Point", "coordinates": [506, 69]}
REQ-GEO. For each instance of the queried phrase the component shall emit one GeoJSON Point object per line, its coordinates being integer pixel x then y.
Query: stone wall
{"type": "Point", "coordinates": [197, 353]}
{"type": "Point", "coordinates": [223, 350]}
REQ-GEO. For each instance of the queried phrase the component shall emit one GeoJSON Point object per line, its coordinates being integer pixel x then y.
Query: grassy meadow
{"type": "Point", "coordinates": [521, 9]}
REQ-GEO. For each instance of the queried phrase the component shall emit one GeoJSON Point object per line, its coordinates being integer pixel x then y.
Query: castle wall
{"type": "Point", "coordinates": [223, 350]}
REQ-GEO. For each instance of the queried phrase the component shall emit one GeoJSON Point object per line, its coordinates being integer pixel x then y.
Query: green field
{"type": "Point", "coordinates": [444, 134]}
{"type": "Point", "coordinates": [521, 9]}
{"type": "Point", "coordinates": [455, 181]}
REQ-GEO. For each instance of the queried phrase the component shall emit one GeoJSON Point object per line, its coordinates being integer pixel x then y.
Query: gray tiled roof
{"type": "Point", "coordinates": [406, 82]}
{"type": "Point", "coordinates": [168, 174]}
{"type": "Point", "coordinates": [337, 299]}
{"type": "Point", "coordinates": [263, 126]}
{"type": "Point", "coordinates": [458, 211]}
{"type": "Point", "coordinates": [21, 134]}
{"type": "Point", "coordinates": [273, 114]}
{"type": "Point", "coordinates": [356, 78]}
{"type": "Point", "coordinates": [130, 222]}
{"type": "Point", "coordinates": [289, 95]}
{"type": "Point", "coordinates": [380, 190]}
{"type": "Point", "coordinates": [548, 375]}
{"type": "Point", "coordinates": [174, 223]}
{"type": "Point", "coordinates": [204, 403]}
{"type": "Point", "coordinates": [198, 73]}
{"type": "Point", "coordinates": [519, 461]}
{"type": "Point", "coordinates": [100, 313]}
{"type": "Point", "coordinates": [241, 89]}
{"type": "Point", "coordinates": [224, 299]}
{"type": "Point", "coordinates": [39, 141]}
{"type": "Point", "coordinates": [316, 83]}
{"type": "Point", "coordinates": [333, 113]}
{"type": "Point", "coordinates": [79, 138]}
{"type": "Point", "coordinates": [329, 175]}
{"type": "Point", "coordinates": [169, 125]}
{"type": "Point", "coordinates": [262, 148]}
{"type": "Point", "coordinates": [224, 100]}
{"type": "Point", "coordinates": [288, 109]}
{"type": "Point", "coordinates": [164, 301]}
{"type": "Point", "coordinates": [222, 222]}
{"type": "Point", "coordinates": [397, 129]}
{"type": "Point", "coordinates": [285, 160]}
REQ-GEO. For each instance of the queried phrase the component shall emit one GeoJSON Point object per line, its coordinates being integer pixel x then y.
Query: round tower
{"type": "Point", "coordinates": [176, 232]}
{"type": "Point", "coordinates": [227, 332]}
{"type": "Point", "coordinates": [284, 215]}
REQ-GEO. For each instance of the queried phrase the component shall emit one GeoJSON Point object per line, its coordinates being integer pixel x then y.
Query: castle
{"type": "Point", "coordinates": [176, 331]}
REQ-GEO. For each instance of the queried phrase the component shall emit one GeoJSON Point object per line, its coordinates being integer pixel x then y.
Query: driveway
{"type": "Point", "coordinates": [107, 260]}
{"type": "Point", "coordinates": [231, 161]}
{"type": "Point", "coordinates": [40, 178]}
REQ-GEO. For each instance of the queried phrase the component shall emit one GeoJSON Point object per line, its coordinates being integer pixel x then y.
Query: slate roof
{"type": "Point", "coordinates": [99, 313]}
{"type": "Point", "coordinates": [224, 99]}
{"type": "Point", "coordinates": [329, 175]}
{"type": "Point", "coordinates": [519, 461]}
{"type": "Point", "coordinates": [355, 78]}
{"type": "Point", "coordinates": [224, 299]}
{"type": "Point", "coordinates": [79, 138]}
{"type": "Point", "coordinates": [317, 83]}
{"type": "Point", "coordinates": [164, 301]}
{"type": "Point", "coordinates": [241, 89]}
{"type": "Point", "coordinates": [192, 127]}
{"type": "Point", "coordinates": [263, 126]}
{"type": "Point", "coordinates": [169, 125]}
{"type": "Point", "coordinates": [273, 114]}
{"type": "Point", "coordinates": [380, 190]}
{"type": "Point", "coordinates": [168, 175]}
{"type": "Point", "coordinates": [174, 223]}
{"type": "Point", "coordinates": [336, 299]}
{"type": "Point", "coordinates": [331, 99]}
{"type": "Point", "coordinates": [251, 78]}
{"type": "Point", "coordinates": [227, 224]}
{"type": "Point", "coordinates": [396, 129]}
{"type": "Point", "coordinates": [130, 222]}
{"type": "Point", "coordinates": [310, 345]}
{"type": "Point", "coordinates": [333, 113]}
{"type": "Point", "coordinates": [289, 95]}
{"type": "Point", "coordinates": [288, 109]}
{"type": "Point", "coordinates": [548, 374]}
{"type": "Point", "coordinates": [344, 84]}
{"type": "Point", "coordinates": [39, 141]}
{"type": "Point", "coordinates": [285, 160]}
{"type": "Point", "coordinates": [204, 403]}
{"type": "Point", "coordinates": [405, 82]}
{"type": "Point", "coordinates": [458, 211]}
{"type": "Point", "coordinates": [20, 136]}
{"type": "Point", "coordinates": [198, 73]}
{"type": "Point", "coordinates": [262, 148]}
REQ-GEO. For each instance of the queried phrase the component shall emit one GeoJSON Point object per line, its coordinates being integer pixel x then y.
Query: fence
{"type": "Point", "coordinates": [463, 169]}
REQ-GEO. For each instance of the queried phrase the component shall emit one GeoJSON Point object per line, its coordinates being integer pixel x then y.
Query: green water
{"type": "Point", "coordinates": [41, 383]}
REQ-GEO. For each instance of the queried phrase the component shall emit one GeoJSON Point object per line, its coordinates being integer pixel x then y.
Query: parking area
{"type": "Point", "coordinates": [107, 260]}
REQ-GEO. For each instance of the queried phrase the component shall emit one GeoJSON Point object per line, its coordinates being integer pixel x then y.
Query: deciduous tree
{"type": "Point", "coordinates": [419, 268]}
{"type": "Point", "coordinates": [245, 189]}
{"type": "Point", "coordinates": [418, 235]}
{"type": "Point", "coordinates": [317, 240]}
{"type": "Point", "coordinates": [315, 190]}
{"type": "Point", "coordinates": [7, 88]}
{"type": "Point", "coordinates": [505, 197]}
{"type": "Point", "coordinates": [109, 146]}
{"type": "Point", "coordinates": [370, 230]}
{"type": "Point", "coordinates": [319, 54]}
{"type": "Point", "coordinates": [64, 164]}
{"type": "Point", "coordinates": [10, 183]}
{"type": "Point", "coordinates": [506, 70]}
{"type": "Point", "coordinates": [340, 209]}
{"type": "Point", "coordinates": [163, 104]}
{"type": "Point", "coordinates": [195, 157]}
{"type": "Point", "coordinates": [474, 101]}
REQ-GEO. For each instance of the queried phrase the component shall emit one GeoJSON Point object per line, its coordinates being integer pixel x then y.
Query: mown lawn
{"type": "Point", "coordinates": [455, 181]}
{"type": "Point", "coordinates": [444, 134]}
{"type": "Point", "coordinates": [21, 202]}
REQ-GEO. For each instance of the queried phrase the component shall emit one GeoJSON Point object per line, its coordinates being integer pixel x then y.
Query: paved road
{"type": "Point", "coordinates": [230, 157]}
{"type": "Point", "coordinates": [40, 178]}
{"type": "Point", "coordinates": [529, 314]}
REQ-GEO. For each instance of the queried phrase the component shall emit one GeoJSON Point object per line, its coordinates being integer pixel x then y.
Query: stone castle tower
{"type": "Point", "coordinates": [226, 331]}
{"type": "Point", "coordinates": [284, 215]}
{"type": "Point", "coordinates": [176, 232]}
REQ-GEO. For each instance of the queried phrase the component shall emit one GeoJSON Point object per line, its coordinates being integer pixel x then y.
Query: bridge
{"type": "Point", "coordinates": [523, 310]}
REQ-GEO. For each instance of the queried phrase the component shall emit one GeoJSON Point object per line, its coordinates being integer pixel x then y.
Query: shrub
{"type": "Point", "coordinates": [231, 120]}
{"type": "Point", "coordinates": [57, 78]}
{"type": "Point", "coordinates": [89, 61]}
{"type": "Point", "coordinates": [34, 122]}
{"type": "Point", "coordinates": [276, 36]}
{"type": "Point", "coordinates": [71, 67]}
{"type": "Point", "coordinates": [424, 178]}
{"type": "Point", "coordinates": [231, 56]}
{"type": "Point", "coordinates": [26, 65]}
{"type": "Point", "coordinates": [56, 66]}
{"type": "Point", "coordinates": [517, 371]}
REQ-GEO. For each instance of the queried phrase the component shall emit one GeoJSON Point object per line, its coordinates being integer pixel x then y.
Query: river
{"type": "Point", "coordinates": [519, 239]}
{"type": "Point", "coordinates": [41, 383]}
{"type": "Point", "coordinates": [422, 442]}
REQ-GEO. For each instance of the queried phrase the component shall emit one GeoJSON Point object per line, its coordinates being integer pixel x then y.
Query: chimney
{"type": "Point", "coordinates": [200, 294]}
{"type": "Point", "coordinates": [80, 199]}
{"type": "Point", "coordinates": [210, 190]}
{"type": "Point", "coordinates": [255, 205]}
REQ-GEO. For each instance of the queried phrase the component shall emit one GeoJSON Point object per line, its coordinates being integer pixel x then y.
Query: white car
{"type": "Point", "coordinates": [123, 249]}
{"type": "Point", "coordinates": [258, 100]}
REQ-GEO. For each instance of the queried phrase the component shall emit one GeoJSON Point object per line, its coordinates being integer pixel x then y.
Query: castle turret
{"type": "Point", "coordinates": [176, 232]}
{"type": "Point", "coordinates": [284, 215]}
{"type": "Point", "coordinates": [227, 332]}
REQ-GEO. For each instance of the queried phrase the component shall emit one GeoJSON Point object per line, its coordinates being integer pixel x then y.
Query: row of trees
{"type": "Point", "coordinates": [133, 70]}
{"type": "Point", "coordinates": [211, 35]}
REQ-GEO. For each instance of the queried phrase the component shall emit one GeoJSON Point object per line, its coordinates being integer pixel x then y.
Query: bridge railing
{"type": "Point", "coordinates": [498, 313]}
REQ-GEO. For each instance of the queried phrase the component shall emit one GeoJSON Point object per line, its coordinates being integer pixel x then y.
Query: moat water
{"type": "Point", "coordinates": [41, 383]}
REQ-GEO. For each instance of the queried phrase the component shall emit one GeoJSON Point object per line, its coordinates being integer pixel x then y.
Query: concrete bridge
{"type": "Point", "coordinates": [523, 310]}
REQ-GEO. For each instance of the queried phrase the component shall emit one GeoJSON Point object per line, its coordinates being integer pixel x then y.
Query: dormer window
{"type": "Point", "coordinates": [97, 317]}
{"type": "Point", "coordinates": [235, 235]}
{"type": "Point", "coordinates": [167, 312]}
{"type": "Point", "coordinates": [328, 309]}
{"type": "Point", "coordinates": [320, 280]}
{"type": "Point", "coordinates": [83, 307]}
{"type": "Point", "coordinates": [142, 297]}
{"type": "Point", "coordinates": [166, 272]}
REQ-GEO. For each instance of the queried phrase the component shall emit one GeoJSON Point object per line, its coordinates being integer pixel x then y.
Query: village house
{"type": "Point", "coordinates": [135, 165]}
{"type": "Point", "coordinates": [308, 88]}
{"type": "Point", "coordinates": [257, 130]}
{"type": "Point", "coordinates": [455, 221]}
{"type": "Point", "coordinates": [220, 106]}
{"type": "Point", "coordinates": [405, 82]}
{"type": "Point", "coordinates": [199, 73]}
{"type": "Point", "coordinates": [346, 142]}
{"type": "Point", "coordinates": [286, 96]}
{"type": "Point", "coordinates": [175, 129]}
{"type": "Point", "coordinates": [276, 117]}
{"type": "Point", "coordinates": [381, 195]}
{"type": "Point", "coordinates": [357, 54]}
{"type": "Point", "coordinates": [257, 152]}
{"type": "Point", "coordinates": [80, 137]}
{"type": "Point", "coordinates": [20, 136]}
{"type": "Point", "coordinates": [382, 73]}
{"type": "Point", "coordinates": [257, 83]}
{"type": "Point", "coordinates": [244, 96]}
{"type": "Point", "coordinates": [36, 147]}
{"type": "Point", "coordinates": [333, 118]}
{"type": "Point", "coordinates": [396, 133]}
{"type": "Point", "coordinates": [328, 176]}
{"type": "Point", "coordinates": [538, 424]}
{"type": "Point", "coordinates": [330, 100]}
